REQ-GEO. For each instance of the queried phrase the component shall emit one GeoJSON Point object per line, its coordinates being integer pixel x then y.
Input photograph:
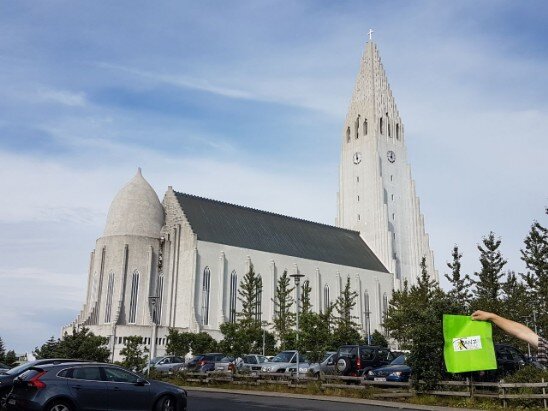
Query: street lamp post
{"type": "Point", "coordinates": [297, 278]}
{"type": "Point", "coordinates": [153, 301]}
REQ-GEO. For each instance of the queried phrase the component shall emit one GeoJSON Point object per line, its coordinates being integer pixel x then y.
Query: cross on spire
{"type": "Point", "coordinates": [370, 34]}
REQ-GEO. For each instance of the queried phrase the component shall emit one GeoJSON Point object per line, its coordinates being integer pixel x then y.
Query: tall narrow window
{"type": "Point", "coordinates": [364, 127]}
{"type": "Point", "coordinates": [398, 131]}
{"type": "Point", "coordinates": [357, 127]}
{"type": "Point", "coordinates": [348, 135]}
{"type": "Point", "coordinates": [206, 281]}
{"type": "Point", "coordinates": [259, 300]}
{"type": "Point", "coordinates": [160, 294]}
{"type": "Point", "coordinates": [380, 126]}
{"type": "Point", "coordinates": [326, 301]}
{"type": "Point", "coordinates": [367, 312]}
{"type": "Point", "coordinates": [110, 289]}
{"type": "Point", "coordinates": [384, 310]}
{"type": "Point", "coordinates": [233, 296]}
{"type": "Point", "coordinates": [133, 297]}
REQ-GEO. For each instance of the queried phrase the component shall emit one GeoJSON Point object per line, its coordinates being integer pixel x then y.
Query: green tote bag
{"type": "Point", "coordinates": [468, 344]}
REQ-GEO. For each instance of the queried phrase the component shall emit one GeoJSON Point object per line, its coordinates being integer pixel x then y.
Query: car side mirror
{"type": "Point", "coordinates": [140, 382]}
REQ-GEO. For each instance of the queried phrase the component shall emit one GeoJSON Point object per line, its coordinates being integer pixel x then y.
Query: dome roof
{"type": "Point", "coordinates": [136, 210]}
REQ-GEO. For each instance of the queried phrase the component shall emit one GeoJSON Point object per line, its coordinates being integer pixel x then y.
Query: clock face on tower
{"type": "Point", "coordinates": [357, 158]}
{"type": "Point", "coordinates": [391, 156]}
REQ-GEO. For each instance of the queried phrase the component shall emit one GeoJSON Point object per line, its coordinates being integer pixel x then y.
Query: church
{"type": "Point", "coordinates": [178, 263]}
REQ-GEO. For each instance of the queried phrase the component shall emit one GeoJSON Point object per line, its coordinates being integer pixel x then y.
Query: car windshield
{"type": "Point", "coordinates": [261, 359]}
{"type": "Point", "coordinates": [399, 361]}
{"type": "Point", "coordinates": [284, 356]}
{"type": "Point", "coordinates": [155, 360]}
{"type": "Point", "coordinates": [326, 356]}
{"type": "Point", "coordinates": [19, 369]}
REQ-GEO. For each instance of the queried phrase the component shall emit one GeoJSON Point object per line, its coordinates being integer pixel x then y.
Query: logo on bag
{"type": "Point", "coordinates": [467, 343]}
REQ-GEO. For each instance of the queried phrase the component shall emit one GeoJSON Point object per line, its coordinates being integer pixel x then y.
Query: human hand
{"type": "Point", "coordinates": [482, 315]}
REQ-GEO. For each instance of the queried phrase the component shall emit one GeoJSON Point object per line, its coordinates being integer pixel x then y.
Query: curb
{"type": "Point", "coordinates": [390, 404]}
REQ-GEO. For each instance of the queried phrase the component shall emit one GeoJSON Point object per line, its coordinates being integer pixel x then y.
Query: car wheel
{"type": "Point", "coordinates": [165, 403]}
{"type": "Point", "coordinates": [59, 406]}
{"type": "Point", "coordinates": [343, 366]}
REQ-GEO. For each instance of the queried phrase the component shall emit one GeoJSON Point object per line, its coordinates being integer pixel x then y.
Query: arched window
{"type": "Point", "coordinates": [357, 127]}
{"type": "Point", "coordinates": [380, 126]}
{"type": "Point", "coordinates": [233, 296]}
{"type": "Point", "coordinates": [326, 301]}
{"type": "Point", "coordinates": [110, 289]}
{"type": "Point", "coordinates": [364, 127]}
{"type": "Point", "coordinates": [348, 135]}
{"type": "Point", "coordinates": [259, 300]}
{"type": "Point", "coordinates": [133, 297]}
{"type": "Point", "coordinates": [388, 125]}
{"type": "Point", "coordinates": [398, 131]}
{"type": "Point", "coordinates": [160, 294]}
{"type": "Point", "coordinates": [367, 312]}
{"type": "Point", "coordinates": [206, 281]}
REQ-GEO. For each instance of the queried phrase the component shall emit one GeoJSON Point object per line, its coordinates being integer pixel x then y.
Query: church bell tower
{"type": "Point", "coordinates": [376, 191]}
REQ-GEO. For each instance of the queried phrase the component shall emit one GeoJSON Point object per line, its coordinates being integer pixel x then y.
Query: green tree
{"type": "Point", "coordinates": [315, 333]}
{"type": "Point", "coordinates": [134, 355]}
{"type": "Point", "coordinates": [249, 293]}
{"type": "Point", "coordinates": [81, 344]}
{"type": "Point", "coordinates": [202, 343]}
{"type": "Point", "coordinates": [398, 319]}
{"type": "Point", "coordinates": [488, 283]}
{"type": "Point", "coordinates": [238, 340]}
{"type": "Point", "coordinates": [11, 358]}
{"type": "Point", "coordinates": [517, 305]}
{"type": "Point", "coordinates": [178, 343]}
{"type": "Point", "coordinates": [284, 318]}
{"type": "Point", "coordinates": [306, 291]}
{"type": "Point", "coordinates": [48, 350]}
{"type": "Point", "coordinates": [378, 339]}
{"type": "Point", "coordinates": [460, 284]}
{"type": "Point", "coordinates": [346, 327]}
{"type": "Point", "coordinates": [535, 256]}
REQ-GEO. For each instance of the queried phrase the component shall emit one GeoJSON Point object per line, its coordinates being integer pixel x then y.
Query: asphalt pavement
{"type": "Point", "coordinates": [220, 401]}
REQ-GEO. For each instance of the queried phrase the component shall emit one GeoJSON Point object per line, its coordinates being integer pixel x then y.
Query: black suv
{"type": "Point", "coordinates": [357, 360]}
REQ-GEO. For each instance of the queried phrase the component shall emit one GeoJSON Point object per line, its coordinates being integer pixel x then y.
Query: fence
{"type": "Point", "coordinates": [465, 389]}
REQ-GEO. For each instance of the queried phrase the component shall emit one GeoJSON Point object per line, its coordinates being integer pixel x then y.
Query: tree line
{"type": "Point", "coordinates": [414, 317]}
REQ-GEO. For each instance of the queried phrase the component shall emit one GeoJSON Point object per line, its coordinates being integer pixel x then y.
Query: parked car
{"type": "Point", "coordinates": [397, 371]}
{"type": "Point", "coordinates": [509, 360]}
{"type": "Point", "coordinates": [3, 367]}
{"type": "Point", "coordinates": [325, 366]}
{"type": "Point", "coordinates": [204, 362]}
{"type": "Point", "coordinates": [165, 364]}
{"type": "Point", "coordinates": [283, 360]}
{"type": "Point", "coordinates": [357, 360]}
{"type": "Point", "coordinates": [252, 362]}
{"type": "Point", "coordinates": [7, 377]}
{"type": "Point", "coordinates": [226, 364]}
{"type": "Point", "coordinates": [91, 386]}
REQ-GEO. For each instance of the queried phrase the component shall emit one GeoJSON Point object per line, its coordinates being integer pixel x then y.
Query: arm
{"type": "Point", "coordinates": [511, 327]}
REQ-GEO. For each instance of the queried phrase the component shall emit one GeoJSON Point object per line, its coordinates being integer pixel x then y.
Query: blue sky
{"type": "Point", "coordinates": [244, 101]}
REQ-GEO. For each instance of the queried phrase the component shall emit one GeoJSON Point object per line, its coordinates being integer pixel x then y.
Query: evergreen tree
{"type": "Point", "coordinates": [306, 291]}
{"type": "Point", "coordinates": [488, 283]}
{"type": "Point", "coordinates": [378, 339]}
{"type": "Point", "coordinates": [398, 318]}
{"type": "Point", "coordinates": [11, 358]}
{"type": "Point", "coordinates": [202, 343]}
{"type": "Point", "coordinates": [535, 256]}
{"type": "Point", "coordinates": [178, 343]}
{"type": "Point", "coordinates": [517, 305]}
{"type": "Point", "coordinates": [248, 294]}
{"type": "Point", "coordinates": [134, 355]}
{"type": "Point", "coordinates": [315, 333]}
{"type": "Point", "coordinates": [460, 284]}
{"type": "Point", "coordinates": [48, 350]}
{"type": "Point", "coordinates": [284, 318]}
{"type": "Point", "coordinates": [2, 351]}
{"type": "Point", "coordinates": [81, 344]}
{"type": "Point", "coordinates": [346, 328]}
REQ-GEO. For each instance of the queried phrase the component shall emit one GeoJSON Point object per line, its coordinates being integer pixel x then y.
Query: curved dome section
{"type": "Point", "coordinates": [136, 210]}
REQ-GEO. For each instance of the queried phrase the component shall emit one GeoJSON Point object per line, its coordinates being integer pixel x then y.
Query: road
{"type": "Point", "coordinates": [213, 401]}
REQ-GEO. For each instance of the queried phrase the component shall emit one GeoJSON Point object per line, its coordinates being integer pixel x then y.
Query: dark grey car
{"type": "Point", "coordinates": [91, 387]}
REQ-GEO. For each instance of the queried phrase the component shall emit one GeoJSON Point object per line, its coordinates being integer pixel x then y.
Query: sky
{"type": "Point", "coordinates": [244, 101]}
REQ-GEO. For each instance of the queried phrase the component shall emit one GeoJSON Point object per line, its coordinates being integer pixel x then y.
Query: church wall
{"type": "Point", "coordinates": [222, 260]}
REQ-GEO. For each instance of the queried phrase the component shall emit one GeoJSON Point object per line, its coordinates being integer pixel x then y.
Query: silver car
{"type": "Point", "coordinates": [165, 364]}
{"type": "Point", "coordinates": [326, 366]}
{"type": "Point", "coordinates": [282, 361]}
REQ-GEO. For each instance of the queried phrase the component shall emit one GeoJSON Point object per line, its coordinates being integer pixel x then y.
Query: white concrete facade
{"type": "Point", "coordinates": [376, 191]}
